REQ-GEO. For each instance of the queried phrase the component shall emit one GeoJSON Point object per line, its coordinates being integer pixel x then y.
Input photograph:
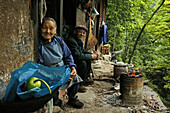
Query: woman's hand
{"type": "Point", "coordinates": [73, 73]}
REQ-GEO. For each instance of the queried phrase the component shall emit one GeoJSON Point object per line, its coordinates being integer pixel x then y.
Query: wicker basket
{"type": "Point", "coordinates": [25, 106]}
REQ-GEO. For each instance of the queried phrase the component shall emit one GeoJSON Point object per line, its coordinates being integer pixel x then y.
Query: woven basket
{"type": "Point", "coordinates": [92, 41]}
{"type": "Point", "coordinates": [25, 106]}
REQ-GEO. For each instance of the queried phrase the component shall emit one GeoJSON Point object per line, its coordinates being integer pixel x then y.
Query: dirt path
{"type": "Point", "coordinates": [103, 96]}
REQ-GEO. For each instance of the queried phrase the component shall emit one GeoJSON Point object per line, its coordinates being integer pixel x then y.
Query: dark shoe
{"type": "Point", "coordinates": [75, 103]}
{"type": "Point", "coordinates": [82, 89]}
{"type": "Point", "coordinates": [59, 103]}
{"type": "Point", "coordinates": [88, 82]}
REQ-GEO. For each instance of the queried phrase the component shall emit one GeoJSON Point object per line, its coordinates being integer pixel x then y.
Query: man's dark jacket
{"type": "Point", "coordinates": [78, 51]}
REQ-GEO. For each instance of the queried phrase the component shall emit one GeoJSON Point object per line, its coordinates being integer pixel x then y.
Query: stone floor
{"type": "Point", "coordinates": [103, 95]}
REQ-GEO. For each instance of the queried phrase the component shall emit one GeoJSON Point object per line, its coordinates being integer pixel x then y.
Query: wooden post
{"type": "Point", "coordinates": [61, 16]}
{"type": "Point", "coordinates": [34, 17]}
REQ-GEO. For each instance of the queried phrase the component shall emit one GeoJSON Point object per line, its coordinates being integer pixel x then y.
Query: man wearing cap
{"type": "Point", "coordinates": [82, 57]}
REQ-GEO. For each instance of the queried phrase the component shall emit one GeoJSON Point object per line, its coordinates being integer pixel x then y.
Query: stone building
{"type": "Point", "coordinates": [20, 21]}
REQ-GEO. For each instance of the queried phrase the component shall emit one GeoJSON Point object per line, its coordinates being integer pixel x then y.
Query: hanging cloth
{"type": "Point", "coordinates": [42, 9]}
{"type": "Point", "coordinates": [103, 34]}
{"type": "Point", "coordinates": [105, 39]}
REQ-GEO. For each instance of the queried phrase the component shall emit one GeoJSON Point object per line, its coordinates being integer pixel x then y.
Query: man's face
{"type": "Point", "coordinates": [81, 34]}
{"type": "Point", "coordinates": [48, 30]}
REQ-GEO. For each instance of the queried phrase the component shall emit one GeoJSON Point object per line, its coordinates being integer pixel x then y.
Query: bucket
{"type": "Point", "coordinates": [131, 89]}
{"type": "Point", "coordinates": [120, 69]}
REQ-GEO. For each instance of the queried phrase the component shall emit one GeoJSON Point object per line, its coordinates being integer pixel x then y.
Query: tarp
{"type": "Point", "coordinates": [53, 76]}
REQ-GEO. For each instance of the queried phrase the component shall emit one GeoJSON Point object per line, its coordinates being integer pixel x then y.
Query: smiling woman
{"type": "Point", "coordinates": [53, 52]}
{"type": "Point", "coordinates": [48, 29]}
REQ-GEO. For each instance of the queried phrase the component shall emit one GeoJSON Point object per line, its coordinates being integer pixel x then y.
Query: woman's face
{"type": "Point", "coordinates": [81, 34]}
{"type": "Point", "coordinates": [48, 30]}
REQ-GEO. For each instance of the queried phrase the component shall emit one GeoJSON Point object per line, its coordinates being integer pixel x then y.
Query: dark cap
{"type": "Point", "coordinates": [81, 27]}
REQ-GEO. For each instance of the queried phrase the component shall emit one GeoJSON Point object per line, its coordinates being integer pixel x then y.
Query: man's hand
{"type": "Point", "coordinates": [95, 56]}
{"type": "Point", "coordinates": [73, 73]}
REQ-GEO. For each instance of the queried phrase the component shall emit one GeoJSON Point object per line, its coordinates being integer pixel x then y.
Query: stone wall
{"type": "Point", "coordinates": [16, 36]}
{"type": "Point", "coordinates": [80, 18]}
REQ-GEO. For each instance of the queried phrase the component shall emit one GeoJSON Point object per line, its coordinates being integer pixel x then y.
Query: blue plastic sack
{"type": "Point", "coordinates": [53, 76]}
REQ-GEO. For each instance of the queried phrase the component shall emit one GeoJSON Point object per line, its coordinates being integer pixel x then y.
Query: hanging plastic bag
{"type": "Point", "coordinates": [54, 77]}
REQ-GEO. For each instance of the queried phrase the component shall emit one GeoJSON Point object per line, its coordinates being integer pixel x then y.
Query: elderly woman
{"type": "Point", "coordinates": [53, 52]}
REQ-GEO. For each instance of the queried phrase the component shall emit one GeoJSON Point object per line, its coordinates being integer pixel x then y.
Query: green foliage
{"type": "Point", "coordinates": [167, 79]}
{"type": "Point", "coordinates": [153, 50]}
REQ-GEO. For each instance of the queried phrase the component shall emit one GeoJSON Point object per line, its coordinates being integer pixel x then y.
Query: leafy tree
{"type": "Point", "coordinates": [125, 19]}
